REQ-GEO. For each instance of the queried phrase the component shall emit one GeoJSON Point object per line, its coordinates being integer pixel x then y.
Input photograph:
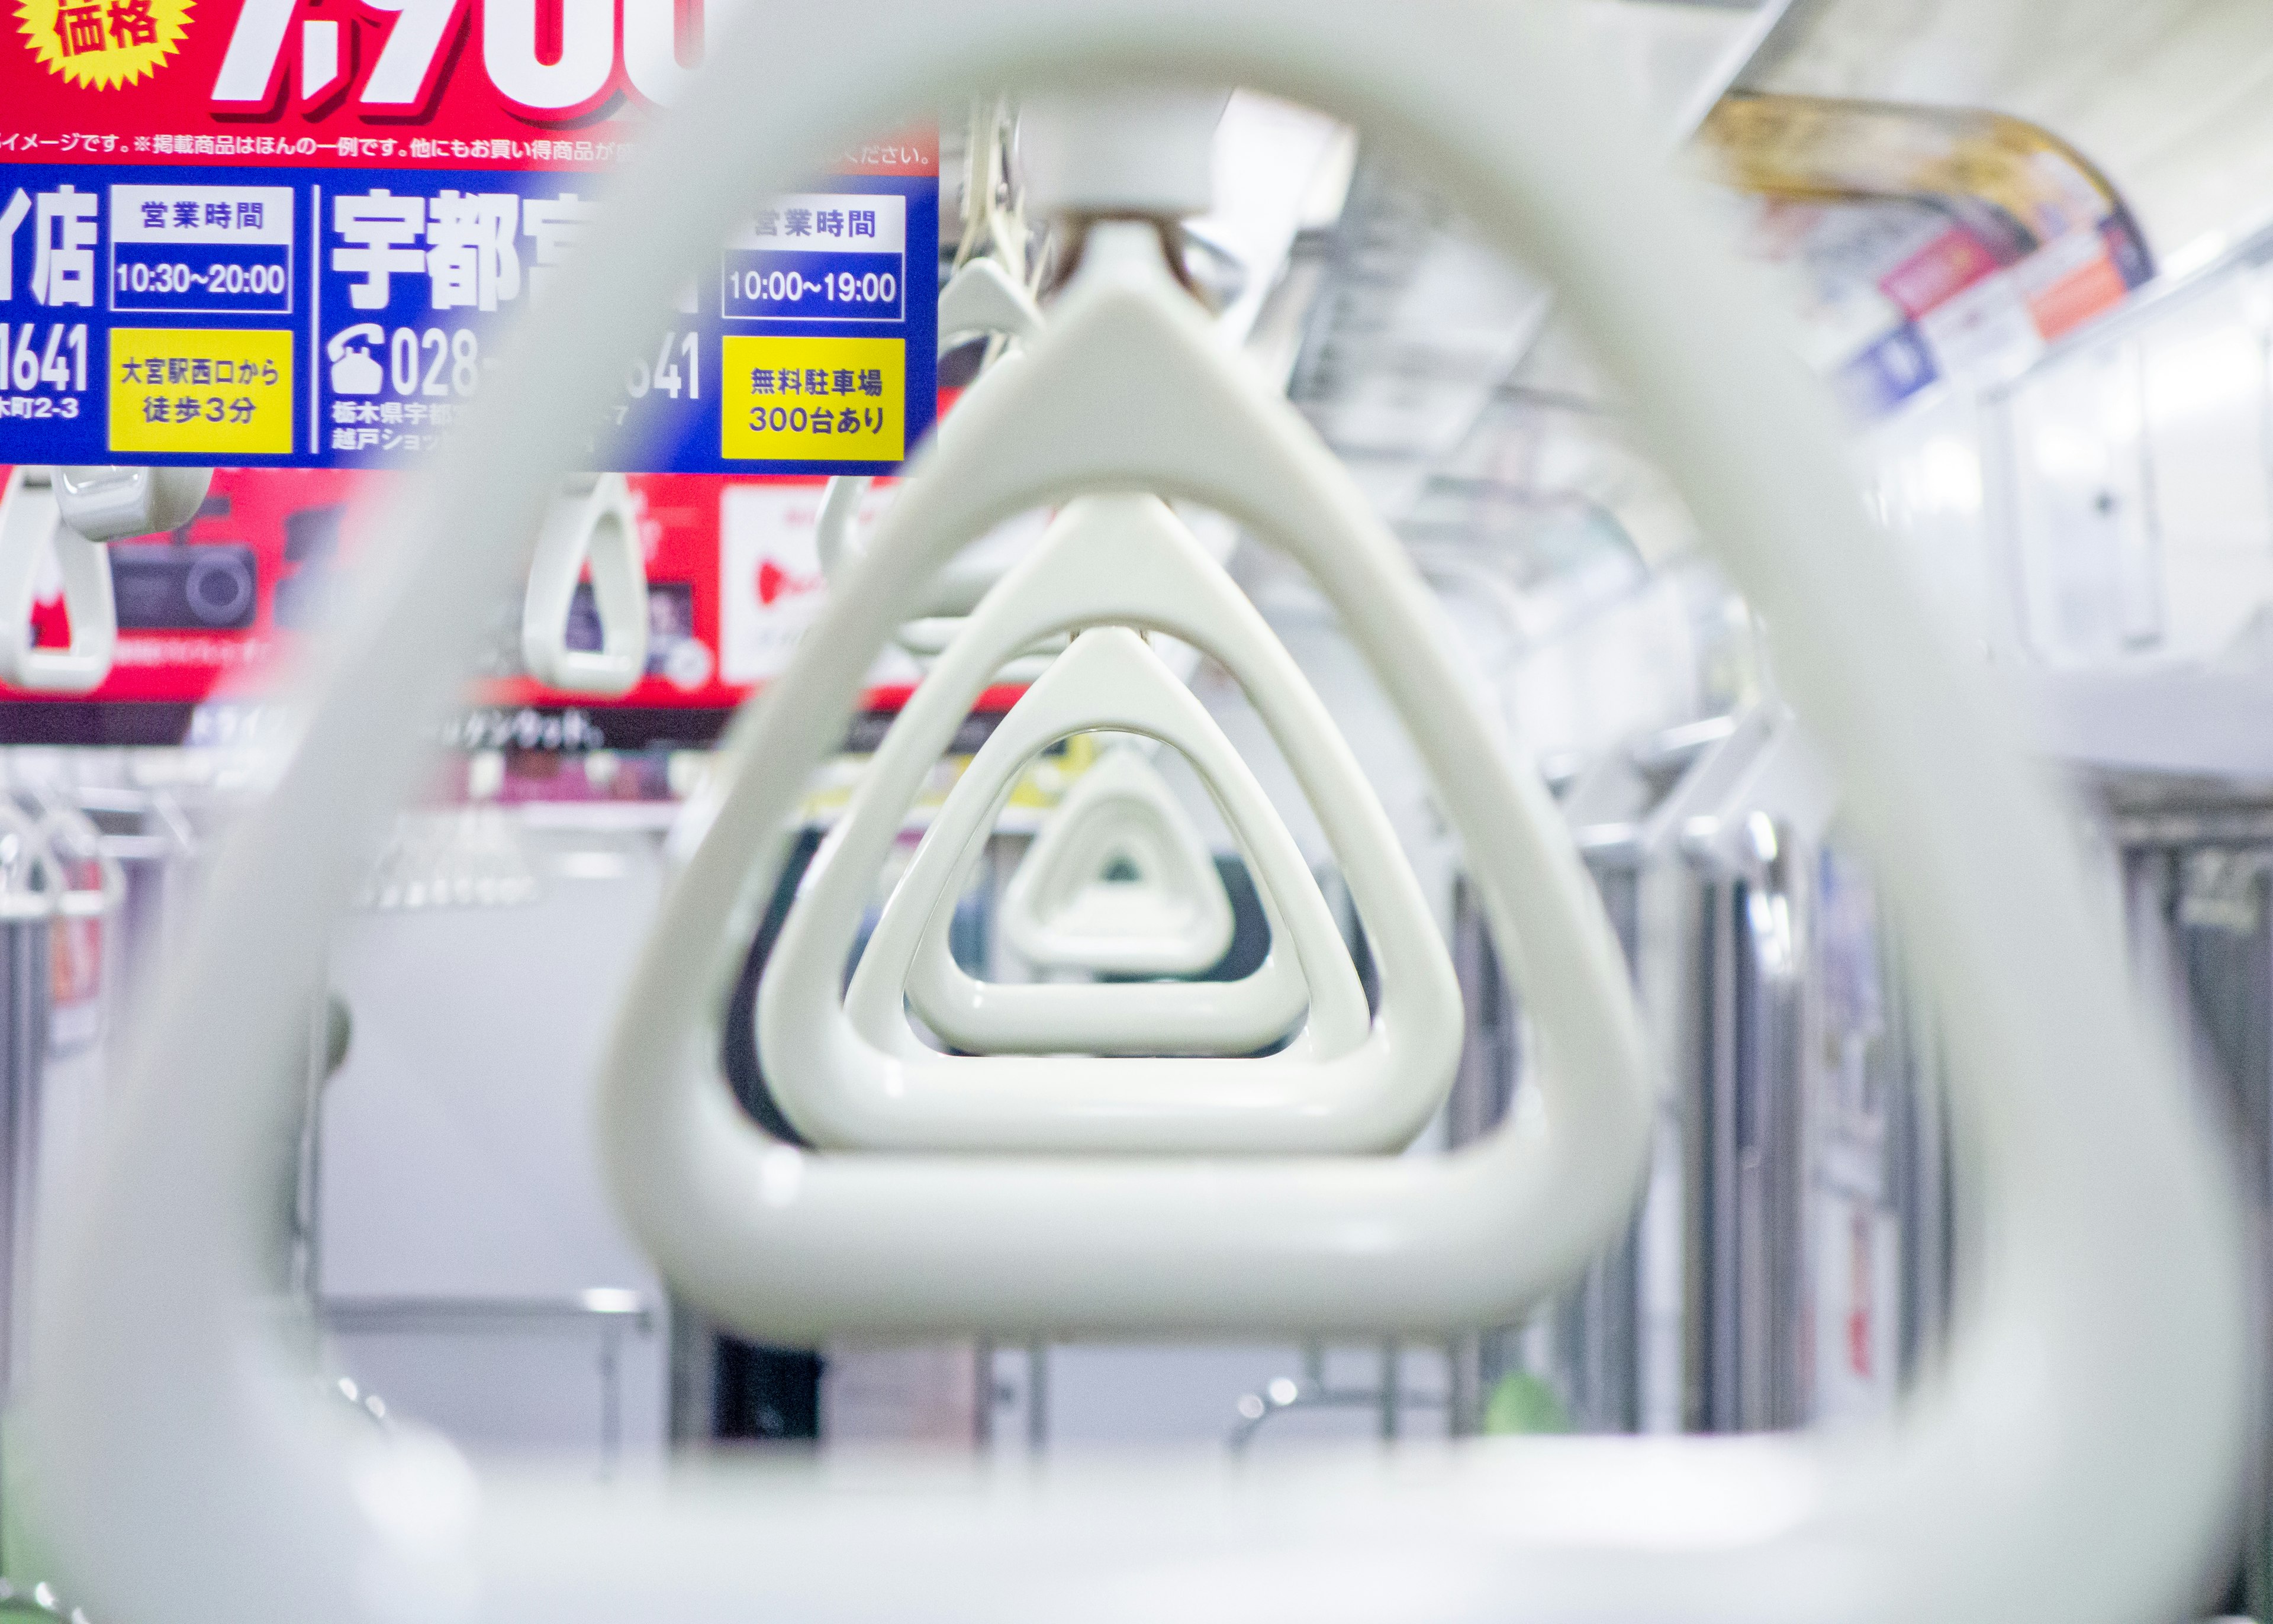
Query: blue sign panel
{"type": "Point", "coordinates": [349, 317]}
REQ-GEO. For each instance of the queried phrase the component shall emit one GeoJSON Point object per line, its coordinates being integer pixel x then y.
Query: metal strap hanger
{"type": "Point", "coordinates": [1110, 679]}
{"type": "Point", "coordinates": [1128, 562]}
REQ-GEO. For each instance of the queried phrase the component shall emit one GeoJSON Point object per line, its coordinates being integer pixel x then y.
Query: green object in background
{"type": "Point", "coordinates": [1521, 1402]}
{"type": "Point", "coordinates": [21, 1559]}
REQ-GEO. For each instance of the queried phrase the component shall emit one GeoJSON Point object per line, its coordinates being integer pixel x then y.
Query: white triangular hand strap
{"type": "Point", "coordinates": [1257, 1011]}
{"type": "Point", "coordinates": [2114, 1277]}
{"type": "Point", "coordinates": [30, 526]}
{"type": "Point", "coordinates": [1110, 678]}
{"type": "Point", "coordinates": [1107, 561]}
{"type": "Point", "coordinates": [1069, 905]}
{"type": "Point", "coordinates": [1128, 389]}
{"type": "Point", "coordinates": [1194, 1018]}
{"type": "Point", "coordinates": [599, 524]}
{"type": "Point", "coordinates": [1153, 1017]}
{"type": "Point", "coordinates": [983, 297]}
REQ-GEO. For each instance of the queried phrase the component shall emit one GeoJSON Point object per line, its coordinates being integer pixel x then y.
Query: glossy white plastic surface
{"type": "Point", "coordinates": [1110, 679]}
{"type": "Point", "coordinates": [1070, 906]}
{"type": "Point", "coordinates": [982, 297]}
{"type": "Point", "coordinates": [110, 503]}
{"type": "Point", "coordinates": [597, 523]}
{"type": "Point", "coordinates": [1201, 1018]}
{"type": "Point", "coordinates": [30, 528]}
{"type": "Point", "coordinates": [2075, 1458]}
{"type": "Point", "coordinates": [1131, 150]}
{"type": "Point", "coordinates": [1143, 1017]}
{"type": "Point", "coordinates": [1123, 561]}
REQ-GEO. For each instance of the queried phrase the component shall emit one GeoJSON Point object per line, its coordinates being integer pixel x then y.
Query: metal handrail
{"type": "Point", "coordinates": [610, 1312]}
{"type": "Point", "coordinates": [165, 831]}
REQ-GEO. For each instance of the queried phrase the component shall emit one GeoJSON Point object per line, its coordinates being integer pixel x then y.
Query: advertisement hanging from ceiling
{"type": "Point", "coordinates": [1927, 242]}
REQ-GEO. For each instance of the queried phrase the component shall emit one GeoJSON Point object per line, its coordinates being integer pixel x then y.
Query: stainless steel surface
{"type": "Point", "coordinates": [24, 984]}
{"type": "Point", "coordinates": [607, 1312]}
{"type": "Point", "coordinates": [1747, 1164]}
{"type": "Point", "coordinates": [2197, 889]}
{"type": "Point", "coordinates": [1801, 1148]}
{"type": "Point", "coordinates": [29, 890]}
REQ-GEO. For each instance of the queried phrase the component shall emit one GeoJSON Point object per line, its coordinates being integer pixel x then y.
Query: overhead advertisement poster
{"type": "Point", "coordinates": [1933, 242]}
{"type": "Point", "coordinates": [287, 233]}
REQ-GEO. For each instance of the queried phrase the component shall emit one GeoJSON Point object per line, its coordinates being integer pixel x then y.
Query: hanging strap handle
{"type": "Point", "coordinates": [71, 513]}
{"type": "Point", "coordinates": [1110, 679]}
{"type": "Point", "coordinates": [598, 524]}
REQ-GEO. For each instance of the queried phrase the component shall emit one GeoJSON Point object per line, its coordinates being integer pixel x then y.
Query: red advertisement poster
{"type": "Point", "coordinates": [337, 199]}
{"type": "Point", "coordinates": [210, 617]}
{"type": "Point", "coordinates": [458, 83]}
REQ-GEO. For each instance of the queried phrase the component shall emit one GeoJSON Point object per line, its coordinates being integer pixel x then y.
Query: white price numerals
{"type": "Point", "coordinates": [434, 362]}
{"type": "Point", "coordinates": [663, 375]}
{"type": "Point", "coordinates": [60, 363]}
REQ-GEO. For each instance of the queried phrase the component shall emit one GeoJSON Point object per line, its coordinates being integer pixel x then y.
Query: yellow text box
{"type": "Point", "coordinates": [190, 390]}
{"type": "Point", "coordinates": [814, 400]}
